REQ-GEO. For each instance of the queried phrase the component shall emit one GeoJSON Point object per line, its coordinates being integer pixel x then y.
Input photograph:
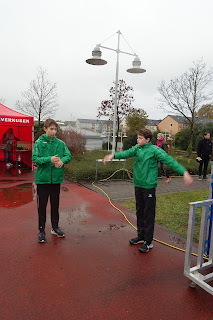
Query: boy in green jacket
{"type": "Point", "coordinates": [49, 155]}
{"type": "Point", "coordinates": [145, 173]}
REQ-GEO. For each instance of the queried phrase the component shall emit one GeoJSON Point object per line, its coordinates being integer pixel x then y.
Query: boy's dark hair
{"type": "Point", "coordinates": [205, 133]}
{"type": "Point", "coordinates": [146, 133]}
{"type": "Point", "coordinates": [49, 122]}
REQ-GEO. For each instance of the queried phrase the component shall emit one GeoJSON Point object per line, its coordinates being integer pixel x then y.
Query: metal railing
{"type": "Point", "coordinates": [198, 275]}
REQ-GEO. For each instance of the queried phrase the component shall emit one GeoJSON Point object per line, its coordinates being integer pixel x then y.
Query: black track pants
{"type": "Point", "coordinates": [145, 211]}
{"type": "Point", "coordinates": [205, 162]}
{"type": "Point", "coordinates": [43, 193]}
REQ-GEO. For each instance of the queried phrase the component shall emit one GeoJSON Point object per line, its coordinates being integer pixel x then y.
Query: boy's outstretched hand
{"type": "Point", "coordinates": [108, 158]}
{"type": "Point", "coordinates": [187, 178]}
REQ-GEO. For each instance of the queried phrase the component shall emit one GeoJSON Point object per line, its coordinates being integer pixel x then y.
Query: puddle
{"type": "Point", "coordinates": [17, 196]}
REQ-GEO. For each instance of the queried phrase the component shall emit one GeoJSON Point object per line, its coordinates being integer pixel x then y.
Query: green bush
{"type": "Point", "coordinates": [83, 166]}
{"type": "Point", "coordinates": [130, 141]}
{"type": "Point", "coordinates": [40, 130]}
{"type": "Point", "coordinates": [182, 137]}
{"type": "Point", "coordinates": [154, 137]}
{"type": "Point", "coordinates": [105, 146]}
{"type": "Point", "coordinates": [188, 162]}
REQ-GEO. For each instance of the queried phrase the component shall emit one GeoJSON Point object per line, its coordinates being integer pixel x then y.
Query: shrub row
{"type": "Point", "coordinates": [83, 167]}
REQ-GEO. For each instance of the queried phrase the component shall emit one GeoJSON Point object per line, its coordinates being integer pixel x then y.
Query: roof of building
{"type": "Point", "coordinates": [179, 119]}
{"type": "Point", "coordinates": [204, 121]}
{"type": "Point", "coordinates": [153, 122]}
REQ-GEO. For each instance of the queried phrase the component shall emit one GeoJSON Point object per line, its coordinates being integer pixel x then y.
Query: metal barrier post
{"type": "Point", "coordinates": [195, 274]}
{"type": "Point", "coordinates": [210, 216]}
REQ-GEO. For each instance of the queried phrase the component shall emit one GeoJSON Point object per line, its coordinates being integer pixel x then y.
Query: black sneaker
{"type": "Point", "coordinates": [136, 240]}
{"type": "Point", "coordinates": [205, 178]}
{"type": "Point", "coordinates": [145, 247]}
{"type": "Point", "coordinates": [200, 178]}
{"type": "Point", "coordinates": [41, 237]}
{"type": "Point", "coordinates": [58, 233]}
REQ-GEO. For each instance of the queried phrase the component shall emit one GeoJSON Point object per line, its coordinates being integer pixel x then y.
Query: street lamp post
{"type": "Point", "coordinates": [108, 140]}
{"type": "Point", "coordinates": [96, 60]}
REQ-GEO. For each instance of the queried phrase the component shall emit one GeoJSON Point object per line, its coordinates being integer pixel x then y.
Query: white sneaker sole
{"type": "Point", "coordinates": [53, 232]}
{"type": "Point", "coordinates": [139, 242]}
{"type": "Point", "coordinates": [149, 247]}
{"type": "Point", "coordinates": [142, 241]}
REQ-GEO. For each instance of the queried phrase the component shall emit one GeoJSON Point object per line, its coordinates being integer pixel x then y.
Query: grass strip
{"type": "Point", "coordinates": [172, 210]}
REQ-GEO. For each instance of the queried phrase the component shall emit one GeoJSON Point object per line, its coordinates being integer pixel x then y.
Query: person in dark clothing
{"type": "Point", "coordinates": [204, 150]}
{"type": "Point", "coordinates": [8, 139]}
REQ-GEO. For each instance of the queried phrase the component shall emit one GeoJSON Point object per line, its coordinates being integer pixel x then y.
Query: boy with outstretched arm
{"type": "Point", "coordinates": [145, 173]}
{"type": "Point", "coordinates": [49, 155]}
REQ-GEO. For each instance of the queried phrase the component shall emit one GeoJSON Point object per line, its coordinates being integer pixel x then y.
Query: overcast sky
{"type": "Point", "coordinates": [59, 35]}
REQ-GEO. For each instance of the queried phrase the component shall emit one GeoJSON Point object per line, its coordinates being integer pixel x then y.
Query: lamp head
{"type": "Point", "coordinates": [136, 66]}
{"type": "Point", "coordinates": [96, 57]}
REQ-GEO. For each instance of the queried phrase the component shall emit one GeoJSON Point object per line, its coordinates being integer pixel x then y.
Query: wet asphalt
{"type": "Point", "coordinates": [124, 189]}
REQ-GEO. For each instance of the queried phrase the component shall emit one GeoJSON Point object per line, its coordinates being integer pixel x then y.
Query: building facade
{"type": "Point", "coordinates": [94, 125]}
{"type": "Point", "coordinates": [152, 125]}
{"type": "Point", "coordinates": [173, 124]}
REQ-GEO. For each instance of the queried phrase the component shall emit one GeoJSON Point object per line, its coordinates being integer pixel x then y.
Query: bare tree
{"type": "Point", "coordinates": [125, 99]}
{"type": "Point", "coordinates": [40, 98]}
{"type": "Point", "coordinates": [186, 94]}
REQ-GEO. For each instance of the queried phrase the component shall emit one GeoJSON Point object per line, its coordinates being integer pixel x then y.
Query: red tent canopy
{"type": "Point", "coordinates": [9, 117]}
{"type": "Point", "coordinates": [22, 125]}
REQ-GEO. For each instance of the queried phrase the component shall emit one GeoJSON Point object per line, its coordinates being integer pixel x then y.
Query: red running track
{"type": "Point", "coordinates": [93, 273]}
